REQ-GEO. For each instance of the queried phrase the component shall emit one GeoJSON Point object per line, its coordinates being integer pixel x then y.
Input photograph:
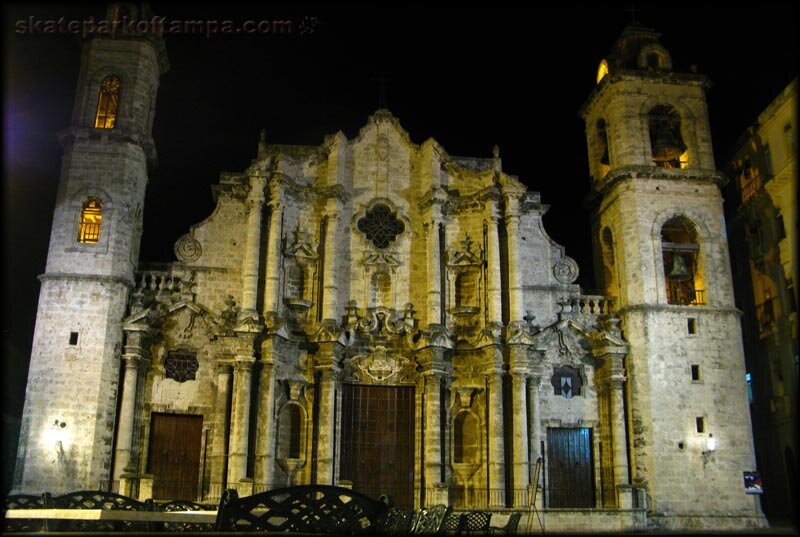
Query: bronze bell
{"type": "Point", "coordinates": [667, 146]}
{"type": "Point", "coordinates": [679, 271]}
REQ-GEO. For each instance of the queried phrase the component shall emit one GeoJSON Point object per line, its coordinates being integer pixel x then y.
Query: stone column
{"type": "Point", "coordinates": [265, 440]}
{"type": "Point", "coordinates": [432, 364]}
{"type": "Point", "coordinates": [497, 482]}
{"type": "Point", "coordinates": [515, 298]}
{"type": "Point", "coordinates": [330, 287]}
{"type": "Point", "coordinates": [434, 269]}
{"type": "Point", "coordinates": [618, 436]}
{"type": "Point", "coordinates": [536, 423]}
{"type": "Point", "coordinates": [613, 379]}
{"type": "Point", "coordinates": [219, 456]}
{"type": "Point", "coordinates": [328, 382]}
{"type": "Point", "coordinates": [494, 310]}
{"type": "Point", "coordinates": [255, 204]}
{"type": "Point", "coordinates": [534, 383]}
{"type": "Point", "coordinates": [618, 432]}
{"type": "Point", "coordinates": [272, 278]}
{"type": "Point", "coordinates": [126, 414]}
{"type": "Point", "coordinates": [433, 428]}
{"type": "Point", "coordinates": [240, 420]}
{"type": "Point", "coordinates": [519, 408]}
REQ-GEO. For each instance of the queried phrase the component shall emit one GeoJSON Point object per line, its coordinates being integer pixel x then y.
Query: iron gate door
{"type": "Point", "coordinates": [174, 456]}
{"type": "Point", "coordinates": [569, 467]}
{"type": "Point", "coordinates": [378, 441]}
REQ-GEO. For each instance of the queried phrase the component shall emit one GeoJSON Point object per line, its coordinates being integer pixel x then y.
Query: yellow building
{"type": "Point", "coordinates": [762, 200]}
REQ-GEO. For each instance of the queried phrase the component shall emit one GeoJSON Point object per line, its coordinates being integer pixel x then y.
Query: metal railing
{"type": "Point", "coordinates": [750, 188]}
{"type": "Point", "coordinates": [683, 296]}
{"type": "Point", "coordinates": [482, 498]}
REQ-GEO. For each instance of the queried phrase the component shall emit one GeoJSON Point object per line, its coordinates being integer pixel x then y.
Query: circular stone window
{"type": "Point", "coordinates": [380, 225]}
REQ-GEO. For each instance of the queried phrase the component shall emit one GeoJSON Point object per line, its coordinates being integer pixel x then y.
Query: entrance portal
{"type": "Point", "coordinates": [378, 441]}
{"type": "Point", "coordinates": [569, 467]}
{"type": "Point", "coordinates": [174, 456]}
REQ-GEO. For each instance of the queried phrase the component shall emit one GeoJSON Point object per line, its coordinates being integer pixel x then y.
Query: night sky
{"type": "Point", "coordinates": [470, 77]}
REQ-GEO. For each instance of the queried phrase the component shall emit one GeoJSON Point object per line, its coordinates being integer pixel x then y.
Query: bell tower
{"type": "Point", "coordinates": [660, 249]}
{"type": "Point", "coordinates": [68, 419]}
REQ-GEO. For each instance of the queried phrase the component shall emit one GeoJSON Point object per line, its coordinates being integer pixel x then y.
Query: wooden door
{"type": "Point", "coordinates": [378, 441]}
{"type": "Point", "coordinates": [174, 456]}
{"type": "Point", "coordinates": [569, 467]}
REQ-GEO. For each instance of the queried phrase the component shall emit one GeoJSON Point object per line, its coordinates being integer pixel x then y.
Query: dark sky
{"type": "Point", "coordinates": [470, 77]}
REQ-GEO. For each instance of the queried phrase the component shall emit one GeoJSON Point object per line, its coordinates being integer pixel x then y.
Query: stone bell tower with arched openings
{"type": "Point", "coordinates": [661, 250]}
{"type": "Point", "coordinates": [68, 421]}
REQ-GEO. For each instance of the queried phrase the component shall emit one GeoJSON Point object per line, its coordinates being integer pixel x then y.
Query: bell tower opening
{"type": "Point", "coordinates": [680, 251]}
{"type": "Point", "coordinates": [666, 141]}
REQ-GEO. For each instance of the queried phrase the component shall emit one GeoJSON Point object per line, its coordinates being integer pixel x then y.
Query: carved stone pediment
{"type": "Point", "coordinates": [568, 337]}
{"type": "Point", "coordinates": [382, 259]}
{"type": "Point", "coordinates": [302, 246]}
{"type": "Point", "coordinates": [465, 257]}
{"type": "Point", "coordinates": [519, 334]}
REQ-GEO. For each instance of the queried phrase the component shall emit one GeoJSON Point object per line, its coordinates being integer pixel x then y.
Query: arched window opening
{"type": "Point", "coordinates": [290, 434]}
{"type": "Point", "coordinates": [654, 61]}
{"type": "Point", "coordinates": [107, 103]}
{"type": "Point", "coordinates": [602, 140]}
{"type": "Point", "coordinates": [91, 218]}
{"type": "Point", "coordinates": [466, 292]}
{"type": "Point", "coordinates": [382, 289]}
{"type": "Point", "coordinates": [666, 141]}
{"type": "Point", "coordinates": [680, 253]}
{"type": "Point", "coordinates": [466, 438]}
{"type": "Point", "coordinates": [607, 247]}
{"type": "Point", "coordinates": [602, 71]}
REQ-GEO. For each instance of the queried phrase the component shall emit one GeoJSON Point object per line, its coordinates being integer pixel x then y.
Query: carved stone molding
{"type": "Point", "coordinates": [566, 270]}
{"type": "Point", "coordinates": [188, 249]}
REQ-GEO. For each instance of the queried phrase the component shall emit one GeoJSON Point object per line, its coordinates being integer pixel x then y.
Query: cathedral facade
{"type": "Point", "coordinates": [379, 314]}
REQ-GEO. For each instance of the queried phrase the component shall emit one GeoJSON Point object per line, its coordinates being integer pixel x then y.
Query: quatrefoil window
{"type": "Point", "coordinates": [380, 225]}
{"type": "Point", "coordinates": [181, 366]}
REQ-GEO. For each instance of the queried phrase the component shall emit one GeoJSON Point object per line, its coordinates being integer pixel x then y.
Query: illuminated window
{"type": "Point", "coordinates": [602, 71]}
{"type": "Point", "coordinates": [666, 141]}
{"type": "Point", "coordinates": [107, 103]}
{"type": "Point", "coordinates": [91, 217]}
{"type": "Point", "coordinates": [680, 250]}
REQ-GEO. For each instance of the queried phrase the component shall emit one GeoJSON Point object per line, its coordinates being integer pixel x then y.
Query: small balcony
{"type": "Point", "coordinates": [682, 295]}
{"type": "Point", "coordinates": [750, 185]}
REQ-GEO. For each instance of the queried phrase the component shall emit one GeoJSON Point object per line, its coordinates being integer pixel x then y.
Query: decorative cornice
{"type": "Point", "coordinates": [86, 277]}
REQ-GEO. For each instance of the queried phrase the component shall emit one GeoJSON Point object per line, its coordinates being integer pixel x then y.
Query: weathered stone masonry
{"type": "Point", "coordinates": [376, 313]}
